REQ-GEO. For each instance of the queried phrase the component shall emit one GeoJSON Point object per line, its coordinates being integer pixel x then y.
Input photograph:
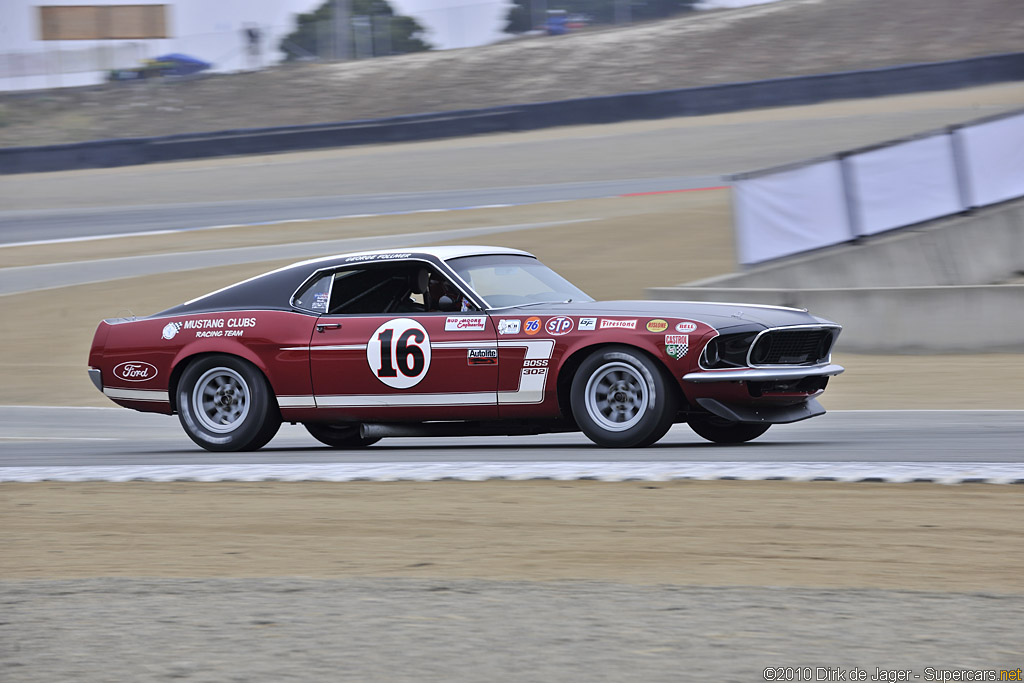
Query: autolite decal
{"type": "Point", "coordinates": [463, 323]}
{"type": "Point", "coordinates": [135, 371]}
{"type": "Point", "coordinates": [482, 356]}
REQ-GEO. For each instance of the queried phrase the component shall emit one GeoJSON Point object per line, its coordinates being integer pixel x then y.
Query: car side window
{"type": "Point", "coordinates": [315, 295]}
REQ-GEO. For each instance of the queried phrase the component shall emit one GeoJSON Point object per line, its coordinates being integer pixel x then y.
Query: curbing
{"type": "Point", "coordinates": [894, 472]}
{"type": "Point", "coordinates": [699, 101]}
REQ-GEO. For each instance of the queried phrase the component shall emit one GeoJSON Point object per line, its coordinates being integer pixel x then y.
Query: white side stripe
{"type": "Point", "coordinates": [482, 398]}
{"type": "Point", "coordinates": [136, 394]}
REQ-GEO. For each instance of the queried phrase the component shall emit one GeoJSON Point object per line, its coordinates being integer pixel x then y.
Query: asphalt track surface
{"type": "Point", "coordinates": [91, 437]}
{"type": "Point", "coordinates": [559, 164]}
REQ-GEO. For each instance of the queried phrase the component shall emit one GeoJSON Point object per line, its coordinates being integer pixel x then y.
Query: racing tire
{"type": "Point", "coordinates": [720, 430]}
{"type": "Point", "coordinates": [340, 436]}
{"type": "Point", "coordinates": [226, 404]}
{"type": "Point", "coordinates": [620, 398]}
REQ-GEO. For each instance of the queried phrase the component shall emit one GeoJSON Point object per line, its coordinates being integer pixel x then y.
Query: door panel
{"type": "Point", "coordinates": [432, 366]}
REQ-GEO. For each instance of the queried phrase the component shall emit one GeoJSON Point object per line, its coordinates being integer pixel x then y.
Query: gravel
{"type": "Point", "coordinates": [470, 630]}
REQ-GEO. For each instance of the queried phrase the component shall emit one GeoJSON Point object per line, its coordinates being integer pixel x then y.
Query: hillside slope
{"type": "Point", "coordinates": [791, 37]}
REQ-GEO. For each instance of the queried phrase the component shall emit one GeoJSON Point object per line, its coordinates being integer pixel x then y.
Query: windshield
{"type": "Point", "coordinates": [513, 280]}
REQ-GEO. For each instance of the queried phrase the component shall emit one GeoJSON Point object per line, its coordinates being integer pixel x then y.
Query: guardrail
{"type": "Point", "coordinates": [787, 210]}
{"type": "Point", "coordinates": [715, 99]}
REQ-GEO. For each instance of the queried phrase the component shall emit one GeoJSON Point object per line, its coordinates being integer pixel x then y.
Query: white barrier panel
{"type": "Point", "coordinates": [905, 183]}
{"type": "Point", "coordinates": [994, 160]}
{"type": "Point", "coordinates": [789, 212]}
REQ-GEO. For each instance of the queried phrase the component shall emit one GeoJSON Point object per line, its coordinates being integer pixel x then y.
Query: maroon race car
{"type": "Point", "coordinates": [459, 341]}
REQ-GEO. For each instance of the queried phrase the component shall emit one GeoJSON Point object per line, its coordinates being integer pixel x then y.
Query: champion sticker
{"type": "Point", "coordinates": [509, 326]}
{"type": "Point", "coordinates": [587, 324]}
{"type": "Point", "coordinates": [482, 356]}
{"type": "Point", "coordinates": [677, 345]}
{"type": "Point", "coordinates": [559, 326]}
{"type": "Point", "coordinates": [465, 323]}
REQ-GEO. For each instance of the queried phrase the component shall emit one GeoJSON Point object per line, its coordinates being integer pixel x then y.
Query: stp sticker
{"type": "Point", "coordinates": [587, 324]}
{"type": "Point", "coordinates": [399, 353]}
{"type": "Point", "coordinates": [532, 325]}
{"type": "Point", "coordinates": [559, 326]}
{"type": "Point", "coordinates": [482, 356]}
{"type": "Point", "coordinates": [509, 326]}
{"type": "Point", "coordinates": [686, 326]}
{"type": "Point", "coordinates": [465, 323]}
{"type": "Point", "coordinates": [657, 325]}
{"type": "Point", "coordinates": [677, 345]}
{"type": "Point", "coordinates": [135, 371]}
{"type": "Point", "coordinates": [618, 324]}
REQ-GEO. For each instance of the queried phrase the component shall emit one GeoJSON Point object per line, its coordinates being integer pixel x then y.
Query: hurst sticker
{"type": "Point", "coordinates": [677, 345]}
{"type": "Point", "coordinates": [587, 324]}
{"type": "Point", "coordinates": [482, 356]}
{"type": "Point", "coordinates": [509, 326]}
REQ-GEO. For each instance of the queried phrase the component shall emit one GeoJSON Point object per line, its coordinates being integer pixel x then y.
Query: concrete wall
{"type": "Point", "coordinates": [921, 290]}
{"type": "Point", "coordinates": [982, 248]}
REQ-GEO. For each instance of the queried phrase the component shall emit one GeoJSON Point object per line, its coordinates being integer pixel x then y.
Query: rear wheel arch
{"type": "Point", "coordinates": [183, 362]}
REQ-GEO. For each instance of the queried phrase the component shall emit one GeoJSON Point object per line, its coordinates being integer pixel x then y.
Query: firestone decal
{"type": "Point", "coordinates": [398, 353]}
{"type": "Point", "coordinates": [618, 324]}
{"type": "Point", "coordinates": [465, 323]}
{"type": "Point", "coordinates": [135, 371]}
{"type": "Point", "coordinates": [587, 324]}
{"type": "Point", "coordinates": [677, 345]}
{"type": "Point", "coordinates": [657, 325]}
{"type": "Point", "coordinates": [170, 329]}
{"type": "Point", "coordinates": [686, 327]}
{"type": "Point", "coordinates": [532, 326]}
{"type": "Point", "coordinates": [559, 326]}
{"type": "Point", "coordinates": [509, 326]}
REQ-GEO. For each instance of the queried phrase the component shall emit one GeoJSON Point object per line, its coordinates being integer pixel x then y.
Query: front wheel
{"type": "Point", "coordinates": [225, 404]}
{"type": "Point", "coordinates": [620, 398]}
{"type": "Point", "coordinates": [720, 430]}
{"type": "Point", "coordinates": [338, 435]}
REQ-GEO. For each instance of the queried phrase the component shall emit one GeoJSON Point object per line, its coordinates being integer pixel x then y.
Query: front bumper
{"type": "Point", "coordinates": [762, 374]}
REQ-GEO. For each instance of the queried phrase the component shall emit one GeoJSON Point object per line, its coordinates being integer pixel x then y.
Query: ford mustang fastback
{"type": "Point", "coordinates": [451, 341]}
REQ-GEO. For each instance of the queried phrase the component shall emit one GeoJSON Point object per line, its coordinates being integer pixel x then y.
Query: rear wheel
{"type": "Point", "coordinates": [620, 398]}
{"type": "Point", "coordinates": [225, 404]}
{"type": "Point", "coordinates": [720, 430]}
{"type": "Point", "coordinates": [338, 435]}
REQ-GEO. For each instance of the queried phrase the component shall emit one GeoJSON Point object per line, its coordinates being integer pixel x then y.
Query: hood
{"type": "Point", "coordinates": [721, 316]}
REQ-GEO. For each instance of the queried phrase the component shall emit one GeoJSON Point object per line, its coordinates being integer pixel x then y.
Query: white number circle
{"type": "Point", "coordinates": [399, 353]}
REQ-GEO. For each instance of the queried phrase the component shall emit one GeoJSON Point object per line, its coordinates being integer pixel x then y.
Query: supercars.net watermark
{"type": "Point", "coordinates": [836, 673]}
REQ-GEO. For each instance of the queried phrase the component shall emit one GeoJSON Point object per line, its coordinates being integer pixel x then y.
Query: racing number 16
{"type": "Point", "coordinates": [399, 353]}
{"type": "Point", "coordinates": [407, 351]}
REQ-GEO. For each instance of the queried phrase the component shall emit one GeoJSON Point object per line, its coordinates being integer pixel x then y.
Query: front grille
{"type": "Point", "coordinates": [792, 347]}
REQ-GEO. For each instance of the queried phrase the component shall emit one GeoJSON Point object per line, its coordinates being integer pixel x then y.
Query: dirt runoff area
{"type": "Point", "coordinates": [809, 534]}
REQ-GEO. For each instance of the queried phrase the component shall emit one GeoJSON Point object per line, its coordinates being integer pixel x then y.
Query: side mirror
{"type": "Point", "coordinates": [446, 304]}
